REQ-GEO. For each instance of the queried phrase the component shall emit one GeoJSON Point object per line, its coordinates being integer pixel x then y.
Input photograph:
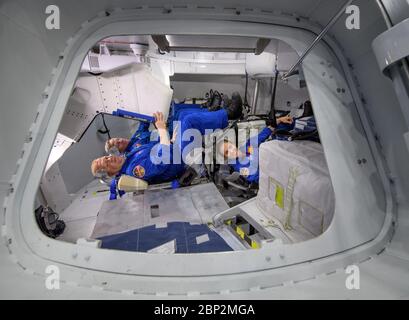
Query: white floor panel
{"type": "Point", "coordinates": [87, 203]}
{"type": "Point", "coordinates": [195, 204]}
{"type": "Point", "coordinates": [81, 228]}
{"type": "Point", "coordinates": [173, 205]}
{"type": "Point", "coordinates": [119, 215]}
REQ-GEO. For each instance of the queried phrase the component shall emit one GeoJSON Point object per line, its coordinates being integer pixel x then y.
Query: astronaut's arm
{"type": "Point", "coordinates": [161, 126]}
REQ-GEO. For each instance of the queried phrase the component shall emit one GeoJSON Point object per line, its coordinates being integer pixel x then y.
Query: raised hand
{"type": "Point", "coordinates": [285, 119]}
{"type": "Point", "coordinates": [159, 120]}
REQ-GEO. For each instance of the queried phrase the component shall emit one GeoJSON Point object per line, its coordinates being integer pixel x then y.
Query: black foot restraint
{"type": "Point", "coordinates": [188, 176]}
{"type": "Point", "coordinates": [49, 222]}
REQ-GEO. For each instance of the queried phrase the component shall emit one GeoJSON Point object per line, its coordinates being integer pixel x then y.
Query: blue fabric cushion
{"type": "Point", "coordinates": [147, 238]}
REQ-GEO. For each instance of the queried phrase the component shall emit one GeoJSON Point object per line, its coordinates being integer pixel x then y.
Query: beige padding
{"type": "Point", "coordinates": [130, 184]}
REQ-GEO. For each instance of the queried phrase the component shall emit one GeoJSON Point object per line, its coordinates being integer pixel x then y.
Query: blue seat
{"type": "Point", "coordinates": [150, 237]}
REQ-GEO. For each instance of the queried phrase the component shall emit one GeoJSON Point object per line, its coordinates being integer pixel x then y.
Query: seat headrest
{"type": "Point", "coordinates": [131, 184]}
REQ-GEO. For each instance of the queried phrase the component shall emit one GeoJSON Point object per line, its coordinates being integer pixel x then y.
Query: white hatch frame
{"type": "Point", "coordinates": [363, 219]}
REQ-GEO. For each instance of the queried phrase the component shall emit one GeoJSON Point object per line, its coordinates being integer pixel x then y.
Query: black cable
{"type": "Point", "coordinates": [245, 90]}
{"type": "Point", "coordinates": [246, 103]}
{"type": "Point", "coordinates": [106, 127]}
{"type": "Point", "coordinates": [95, 73]}
{"type": "Point", "coordinates": [272, 114]}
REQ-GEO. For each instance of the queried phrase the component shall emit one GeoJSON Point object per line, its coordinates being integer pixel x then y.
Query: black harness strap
{"type": "Point", "coordinates": [272, 115]}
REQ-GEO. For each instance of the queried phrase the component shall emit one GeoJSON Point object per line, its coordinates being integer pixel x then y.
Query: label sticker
{"type": "Point", "coordinates": [202, 238]}
{"type": "Point", "coordinates": [276, 193]}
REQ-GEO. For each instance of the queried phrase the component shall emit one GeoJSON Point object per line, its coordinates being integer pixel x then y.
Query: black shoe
{"type": "Point", "coordinates": [235, 107]}
{"type": "Point", "coordinates": [209, 98]}
{"type": "Point", "coordinates": [216, 101]}
{"type": "Point", "coordinates": [187, 177]}
{"type": "Point", "coordinates": [225, 101]}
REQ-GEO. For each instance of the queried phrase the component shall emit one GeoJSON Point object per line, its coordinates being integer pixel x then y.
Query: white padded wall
{"type": "Point", "coordinates": [85, 101]}
{"type": "Point", "coordinates": [133, 88]}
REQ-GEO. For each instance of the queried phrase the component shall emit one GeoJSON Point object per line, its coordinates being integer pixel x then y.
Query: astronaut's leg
{"type": "Point", "coordinates": [202, 121]}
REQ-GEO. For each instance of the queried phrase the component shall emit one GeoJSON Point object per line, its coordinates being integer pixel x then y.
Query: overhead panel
{"type": "Point", "coordinates": [211, 44]}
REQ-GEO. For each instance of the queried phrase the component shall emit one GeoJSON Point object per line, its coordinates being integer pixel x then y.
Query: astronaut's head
{"type": "Point", "coordinates": [107, 166]}
{"type": "Point", "coordinates": [116, 146]}
{"type": "Point", "coordinates": [229, 151]}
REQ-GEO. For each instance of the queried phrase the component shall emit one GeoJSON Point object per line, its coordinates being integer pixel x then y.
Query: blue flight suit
{"type": "Point", "coordinates": [138, 161]}
{"type": "Point", "coordinates": [201, 120]}
{"type": "Point", "coordinates": [143, 157]}
{"type": "Point", "coordinates": [176, 108]}
{"type": "Point", "coordinates": [248, 166]}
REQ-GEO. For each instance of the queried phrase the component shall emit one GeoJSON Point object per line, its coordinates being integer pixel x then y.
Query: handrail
{"type": "Point", "coordinates": [317, 39]}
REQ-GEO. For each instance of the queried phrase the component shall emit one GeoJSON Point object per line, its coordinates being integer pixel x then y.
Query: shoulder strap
{"type": "Point", "coordinates": [113, 189]}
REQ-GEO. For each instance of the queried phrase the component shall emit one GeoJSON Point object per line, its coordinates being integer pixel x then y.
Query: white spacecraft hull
{"type": "Point", "coordinates": [360, 119]}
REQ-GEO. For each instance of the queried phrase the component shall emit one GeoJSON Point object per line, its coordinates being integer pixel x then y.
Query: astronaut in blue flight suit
{"type": "Point", "coordinates": [245, 158]}
{"type": "Point", "coordinates": [142, 158]}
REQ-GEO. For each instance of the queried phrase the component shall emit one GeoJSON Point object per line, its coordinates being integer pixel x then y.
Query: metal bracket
{"type": "Point", "coordinates": [392, 46]}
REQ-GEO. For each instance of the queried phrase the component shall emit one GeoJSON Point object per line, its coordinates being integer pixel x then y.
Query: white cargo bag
{"type": "Point", "coordinates": [295, 188]}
